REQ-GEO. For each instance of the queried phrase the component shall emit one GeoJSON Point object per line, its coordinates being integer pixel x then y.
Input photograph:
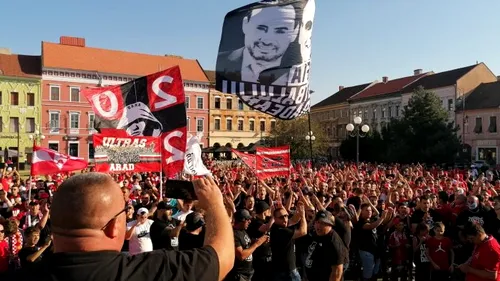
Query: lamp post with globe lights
{"type": "Point", "coordinates": [310, 138]}
{"type": "Point", "coordinates": [37, 136]}
{"type": "Point", "coordinates": [357, 130]}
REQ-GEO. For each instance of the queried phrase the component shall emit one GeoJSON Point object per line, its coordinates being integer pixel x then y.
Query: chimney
{"type": "Point", "coordinates": [341, 88]}
{"type": "Point", "coordinates": [385, 79]}
{"type": "Point", "coordinates": [5, 51]}
{"type": "Point", "coordinates": [417, 71]}
{"type": "Point", "coordinates": [72, 41]}
{"type": "Point", "coordinates": [174, 56]}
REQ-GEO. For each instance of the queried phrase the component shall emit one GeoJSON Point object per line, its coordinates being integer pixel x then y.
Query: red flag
{"type": "Point", "coordinates": [47, 161]}
{"type": "Point", "coordinates": [248, 159]}
{"type": "Point", "coordinates": [273, 162]}
{"type": "Point", "coordinates": [5, 184]}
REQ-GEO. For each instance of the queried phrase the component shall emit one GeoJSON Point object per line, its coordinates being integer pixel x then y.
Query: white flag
{"type": "Point", "coordinates": [193, 164]}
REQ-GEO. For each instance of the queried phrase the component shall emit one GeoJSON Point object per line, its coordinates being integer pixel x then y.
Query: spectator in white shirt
{"type": "Point", "coordinates": [185, 208]}
{"type": "Point", "coordinates": [138, 233]}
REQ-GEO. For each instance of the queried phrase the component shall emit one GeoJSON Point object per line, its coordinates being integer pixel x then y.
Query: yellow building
{"type": "Point", "coordinates": [232, 123]}
{"type": "Point", "coordinates": [20, 105]}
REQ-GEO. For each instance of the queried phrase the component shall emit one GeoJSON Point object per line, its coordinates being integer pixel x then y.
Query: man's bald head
{"type": "Point", "coordinates": [85, 201]}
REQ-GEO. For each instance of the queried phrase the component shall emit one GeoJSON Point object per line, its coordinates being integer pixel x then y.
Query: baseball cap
{"type": "Point", "coordinates": [261, 207]}
{"type": "Point", "coordinates": [194, 221]}
{"type": "Point", "coordinates": [242, 215]}
{"type": "Point", "coordinates": [164, 206]}
{"type": "Point", "coordinates": [325, 217]}
{"type": "Point", "coordinates": [142, 211]}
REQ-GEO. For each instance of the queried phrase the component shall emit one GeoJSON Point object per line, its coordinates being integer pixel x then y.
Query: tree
{"type": "Point", "coordinates": [294, 132]}
{"type": "Point", "coordinates": [423, 134]}
{"type": "Point", "coordinates": [371, 147]}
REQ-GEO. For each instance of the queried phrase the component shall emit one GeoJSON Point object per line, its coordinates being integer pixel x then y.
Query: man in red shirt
{"type": "Point", "coordinates": [484, 264]}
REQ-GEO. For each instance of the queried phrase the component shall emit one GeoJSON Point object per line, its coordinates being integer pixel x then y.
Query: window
{"type": "Point", "coordinates": [30, 99]}
{"type": "Point", "coordinates": [74, 120]}
{"type": "Point", "coordinates": [14, 98]}
{"type": "Point", "coordinates": [251, 125]}
{"type": "Point", "coordinates": [1, 124]}
{"type": "Point", "coordinates": [273, 125]}
{"type": "Point", "coordinates": [217, 103]}
{"type": "Point", "coordinates": [74, 94]}
{"type": "Point", "coordinates": [54, 146]}
{"type": "Point", "coordinates": [229, 103]}
{"type": "Point", "coordinates": [199, 102]}
{"type": "Point", "coordinates": [30, 125]}
{"type": "Point", "coordinates": [374, 114]}
{"type": "Point", "coordinates": [14, 125]}
{"type": "Point", "coordinates": [217, 124]}
{"type": "Point", "coordinates": [1, 98]}
{"type": "Point", "coordinates": [229, 124]}
{"type": "Point", "coordinates": [240, 125]}
{"type": "Point", "coordinates": [397, 111]}
{"type": "Point", "coordinates": [389, 110]}
{"type": "Point", "coordinates": [493, 124]}
{"type": "Point", "coordinates": [187, 102]}
{"type": "Point", "coordinates": [383, 112]}
{"type": "Point", "coordinates": [262, 125]}
{"type": "Point", "coordinates": [188, 124]}
{"type": "Point", "coordinates": [73, 149]}
{"type": "Point", "coordinates": [54, 122]}
{"type": "Point", "coordinates": [199, 125]}
{"type": "Point", "coordinates": [365, 115]}
{"type": "Point", "coordinates": [240, 105]}
{"type": "Point", "coordinates": [479, 125]}
{"type": "Point", "coordinates": [91, 121]}
{"type": "Point", "coordinates": [54, 92]}
{"type": "Point", "coordinates": [450, 104]}
{"type": "Point", "coordinates": [91, 150]}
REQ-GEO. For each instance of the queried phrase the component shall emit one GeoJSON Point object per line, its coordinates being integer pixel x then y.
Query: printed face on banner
{"type": "Point", "coordinates": [268, 68]}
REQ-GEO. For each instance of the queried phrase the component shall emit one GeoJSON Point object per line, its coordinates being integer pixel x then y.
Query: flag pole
{"type": "Point", "coordinates": [161, 173]}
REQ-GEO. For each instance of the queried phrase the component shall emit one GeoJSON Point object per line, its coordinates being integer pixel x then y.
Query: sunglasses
{"type": "Point", "coordinates": [112, 219]}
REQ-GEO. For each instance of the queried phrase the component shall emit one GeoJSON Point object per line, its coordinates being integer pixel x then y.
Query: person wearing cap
{"type": "Point", "coordinates": [244, 248]}
{"type": "Point", "coordinates": [192, 235]}
{"type": "Point", "coordinates": [165, 230]}
{"type": "Point", "coordinates": [138, 233]}
{"type": "Point", "coordinates": [326, 253]}
{"type": "Point", "coordinates": [260, 225]}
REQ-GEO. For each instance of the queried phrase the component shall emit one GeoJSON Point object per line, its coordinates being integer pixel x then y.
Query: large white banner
{"type": "Point", "coordinates": [193, 163]}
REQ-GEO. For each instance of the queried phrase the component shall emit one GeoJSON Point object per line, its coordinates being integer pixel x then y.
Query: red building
{"type": "Point", "coordinates": [70, 66]}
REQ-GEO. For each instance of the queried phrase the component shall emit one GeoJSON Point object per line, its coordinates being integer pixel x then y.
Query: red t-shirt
{"type": "Point", "coordinates": [440, 251]}
{"type": "Point", "coordinates": [486, 256]}
{"type": "Point", "coordinates": [398, 242]}
{"type": "Point", "coordinates": [4, 256]}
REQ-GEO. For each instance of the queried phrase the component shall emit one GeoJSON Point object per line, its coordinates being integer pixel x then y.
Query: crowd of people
{"type": "Point", "coordinates": [336, 221]}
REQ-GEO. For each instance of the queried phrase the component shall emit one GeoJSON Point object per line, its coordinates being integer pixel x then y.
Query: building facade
{"type": "Point", "coordinates": [20, 105]}
{"type": "Point", "coordinates": [70, 66]}
{"type": "Point", "coordinates": [479, 116]}
{"type": "Point", "coordinates": [333, 115]}
{"type": "Point", "coordinates": [233, 123]}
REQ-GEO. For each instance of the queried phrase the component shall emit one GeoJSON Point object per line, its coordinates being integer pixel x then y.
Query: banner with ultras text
{"type": "Point", "coordinates": [116, 151]}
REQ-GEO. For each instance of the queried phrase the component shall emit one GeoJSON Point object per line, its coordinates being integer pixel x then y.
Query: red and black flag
{"type": "Point", "coordinates": [152, 105]}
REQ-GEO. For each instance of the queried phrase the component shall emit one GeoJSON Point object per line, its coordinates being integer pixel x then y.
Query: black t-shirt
{"type": "Point", "coordinates": [263, 252]}
{"type": "Point", "coordinates": [343, 231]}
{"type": "Point", "coordinates": [196, 264]}
{"type": "Point", "coordinates": [188, 241]}
{"type": "Point", "coordinates": [366, 238]}
{"type": "Point", "coordinates": [481, 215]}
{"type": "Point", "coordinates": [24, 253]}
{"type": "Point", "coordinates": [244, 267]}
{"type": "Point", "coordinates": [283, 248]}
{"type": "Point", "coordinates": [324, 252]}
{"type": "Point", "coordinates": [160, 234]}
{"type": "Point", "coordinates": [418, 217]}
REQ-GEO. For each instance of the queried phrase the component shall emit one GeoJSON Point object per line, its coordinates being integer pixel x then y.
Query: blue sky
{"type": "Point", "coordinates": [354, 41]}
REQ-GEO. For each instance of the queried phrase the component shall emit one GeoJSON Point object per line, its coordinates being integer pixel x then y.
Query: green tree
{"type": "Point", "coordinates": [371, 147]}
{"type": "Point", "coordinates": [294, 132]}
{"type": "Point", "coordinates": [423, 134]}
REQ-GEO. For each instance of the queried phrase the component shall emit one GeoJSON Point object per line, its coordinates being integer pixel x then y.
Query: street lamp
{"type": "Point", "coordinates": [36, 137]}
{"type": "Point", "coordinates": [310, 138]}
{"type": "Point", "coordinates": [358, 131]}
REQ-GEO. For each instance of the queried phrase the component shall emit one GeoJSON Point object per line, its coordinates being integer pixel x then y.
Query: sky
{"type": "Point", "coordinates": [354, 41]}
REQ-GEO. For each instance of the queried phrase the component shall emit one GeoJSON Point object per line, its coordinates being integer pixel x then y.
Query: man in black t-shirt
{"type": "Point", "coordinates": [260, 225]}
{"type": "Point", "coordinates": [87, 246]}
{"type": "Point", "coordinates": [326, 253]}
{"type": "Point", "coordinates": [244, 248]}
{"type": "Point", "coordinates": [283, 243]}
{"type": "Point", "coordinates": [164, 231]}
{"type": "Point", "coordinates": [425, 214]}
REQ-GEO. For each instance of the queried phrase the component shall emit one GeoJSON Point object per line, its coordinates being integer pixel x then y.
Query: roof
{"type": "Point", "coordinates": [210, 75]}
{"type": "Point", "coordinates": [486, 95]}
{"type": "Point", "coordinates": [55, 55]}
{"type": "Point", "coordinates": [439, 80]}
{"type": "Point", "coordinates": [20, 66]}
{"type": "Point", "coordinates": [390, 87]}
{"type": "Point", "coordinates": [341, 96]}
